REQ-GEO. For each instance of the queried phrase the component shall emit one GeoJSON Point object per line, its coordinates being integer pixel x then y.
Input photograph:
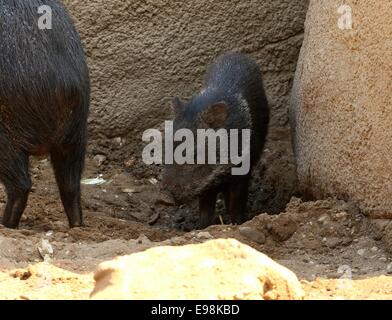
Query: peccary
{"type": "Point", "coordinates": [44, 103]}
{"type": "Point", "coordinates": [233, 97]}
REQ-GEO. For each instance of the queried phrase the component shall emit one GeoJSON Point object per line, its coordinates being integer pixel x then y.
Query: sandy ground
{"type": "Point", "coordinates": [326, 243]}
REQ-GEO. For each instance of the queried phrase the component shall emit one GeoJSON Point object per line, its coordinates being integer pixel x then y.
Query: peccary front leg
{"type": "Point", "coordinates": [207, 203]}
{"type": "Point", "coordinates": [17, 182]}
{"type": "Point", "coordinates": [68, 163]}
{"type": "Point", "coordinates": [236, 198]}
{"type": "Point", "coordinates": [16, 204]}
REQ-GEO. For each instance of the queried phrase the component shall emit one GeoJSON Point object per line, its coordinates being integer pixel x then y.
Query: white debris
{"type": "Point", "coordinates": [94, 182]}
{"type": "Point", "coordinates": [153, 181]}
{"type": "Point", "coordinates": [129, 191]}
{"type": "Point", "coordinates": [46, 250]}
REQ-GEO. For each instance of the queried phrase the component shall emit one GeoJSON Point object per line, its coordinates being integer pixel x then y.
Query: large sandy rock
{"type": "Point", "coordinates": [143, 53]}
{"type": "Point", "coordinates": [341, 106]}
{"type": "Point", "coordinates": [218, 269]}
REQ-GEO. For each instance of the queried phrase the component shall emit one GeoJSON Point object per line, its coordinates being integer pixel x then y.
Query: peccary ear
{"type": "Point", "coordinates": [215, 116]}
{"type": "Point", "coordinates": [178, 105]}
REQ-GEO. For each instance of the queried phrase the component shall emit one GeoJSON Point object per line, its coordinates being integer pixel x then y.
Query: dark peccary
{"type": "Point", "coordinates": [44, 102]}
{"type": "Point", "coordinates": [233, 98]}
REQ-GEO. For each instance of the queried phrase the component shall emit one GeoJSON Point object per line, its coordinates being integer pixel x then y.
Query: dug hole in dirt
{"type": "Point", "coordinates": [326, 243]}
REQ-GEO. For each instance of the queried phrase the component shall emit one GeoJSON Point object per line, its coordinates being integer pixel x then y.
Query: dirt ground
{"type": "Point", "coordinates": [326, 243]}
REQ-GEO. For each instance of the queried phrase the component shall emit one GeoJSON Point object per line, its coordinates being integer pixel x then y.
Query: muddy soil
{"type": "Point", "coordinates": [326, 243]}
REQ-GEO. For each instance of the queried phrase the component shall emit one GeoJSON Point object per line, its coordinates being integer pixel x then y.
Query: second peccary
{"type": "Point", "coordinates": [233, 97]}
{"type": "Point", "coordinates": [44, 103]}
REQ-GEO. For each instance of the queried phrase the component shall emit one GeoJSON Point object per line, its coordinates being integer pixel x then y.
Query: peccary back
{"type": "Point", "coordinates": [237, 78]}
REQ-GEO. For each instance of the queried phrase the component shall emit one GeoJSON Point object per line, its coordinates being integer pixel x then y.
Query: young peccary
{"type": "Point", "coordinates": [44, 102]}
{"type": "Point", "coordinates": [233, 97]}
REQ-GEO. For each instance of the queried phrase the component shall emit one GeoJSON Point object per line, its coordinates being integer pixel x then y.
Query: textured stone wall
{"type": "Point", "coordinates": [142, 53]}
{"type": "Point", "coordinates": [341, 107]}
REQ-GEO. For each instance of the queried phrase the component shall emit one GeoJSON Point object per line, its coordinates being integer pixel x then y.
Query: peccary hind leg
{"type": "Point", "coordinates": [207, 203]}
{"type": "Point", "coordinates": [236, 198]}
{"type": "Point", "coordinates": [68, 163]}
{"type": "Point", "coordinates": [17, 182]}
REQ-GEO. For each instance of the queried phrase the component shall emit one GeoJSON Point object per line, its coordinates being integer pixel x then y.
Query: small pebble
{"type": "Point", "coordinates": [99, 159]}
{"type": "Point", "coordinates": [341, 215]}
{"type": "Point", "coordinates": [323, 219]}
{"type": "Point", "coordinates": [253, 234]}
{"type": "Point", "coordinates": [389, 268]}
{"type": "Point", "coordinates": [361, 252]}
{"type": "Point", "coordinates": [204, 235]}
{"type": "Point", "coordinates": [118, 141]}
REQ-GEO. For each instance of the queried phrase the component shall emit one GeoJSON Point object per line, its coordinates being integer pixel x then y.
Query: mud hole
{"type": "Point", "coordinates": [324, 243]}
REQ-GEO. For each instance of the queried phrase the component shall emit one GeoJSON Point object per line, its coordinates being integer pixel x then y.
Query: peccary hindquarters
{"type": "Point", "coordinates": [44, 102]}
{"type": "Point", "coordinates": [233, 97]}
